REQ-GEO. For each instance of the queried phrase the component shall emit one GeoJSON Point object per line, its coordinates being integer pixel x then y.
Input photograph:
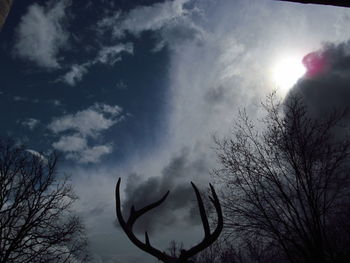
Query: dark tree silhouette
{"type": "Point", "coordinates": [36, 224]}
{"type": "Point", "coordinates": [288, 185]}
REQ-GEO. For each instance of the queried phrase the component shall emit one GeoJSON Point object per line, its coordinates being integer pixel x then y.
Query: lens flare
{"type": "Point", "coordinates": [315, 64]}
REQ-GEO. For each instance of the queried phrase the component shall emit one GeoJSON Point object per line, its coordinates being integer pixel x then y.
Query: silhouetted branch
{"type": "Point", "coordinates": [146, 246]}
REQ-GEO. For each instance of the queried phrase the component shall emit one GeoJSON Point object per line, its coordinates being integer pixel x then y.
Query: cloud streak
{"type": "Point", "coordinates": [108, 55]}
{"type": "Point", "coordinates": [41, 34]}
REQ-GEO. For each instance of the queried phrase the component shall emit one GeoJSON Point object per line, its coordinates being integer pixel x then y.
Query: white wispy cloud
{"type": "Point", "coordinates": [143, 18]}
{"type": "Point", "coordinates": [111, 54]}
{"type": "Point", "coordinates": [106, 55]}
{"type": "Point", "coordinates": [88, 122]}
{"type": "Point", "coordinates": [91, 154]}
{"type": "Point", "coordinates": [76, 148]}
{"type": "Point", "coordinates": [70, 143]}
{"type": "Point", "coordinates": [75, 74]}
{"type": "Point", "coordinates": [171, 19]}
{"type": "Point", "coordinates": [40, 156]}
{"type": "Point", "coordinates": [31, 123]}
{"type": "Point", "coordinates": [78, 131]}
{"type": "Point", "coordinates": [40, 34]}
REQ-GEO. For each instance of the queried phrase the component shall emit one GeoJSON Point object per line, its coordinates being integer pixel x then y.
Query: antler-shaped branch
{"type": "Point", "coordinates": [208, 239]}
{"type": "Point", "coordinates": [134, 215]}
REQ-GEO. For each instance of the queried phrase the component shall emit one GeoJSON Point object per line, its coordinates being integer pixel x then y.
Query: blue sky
{"type": "Point", "coordinates": [40, 84]}
{"type": "Point", "coordinates": [137, 89]}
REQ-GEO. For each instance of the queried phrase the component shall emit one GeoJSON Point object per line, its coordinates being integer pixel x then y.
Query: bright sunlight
{"type": "Point", "coordinates": [286, 72]}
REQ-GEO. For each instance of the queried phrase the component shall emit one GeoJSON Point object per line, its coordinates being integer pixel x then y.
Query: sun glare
{"type": "Point", "coordinates": [287, 71]}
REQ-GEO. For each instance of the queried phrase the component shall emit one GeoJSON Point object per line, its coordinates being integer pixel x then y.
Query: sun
{"type": "Point", "coordinates": [286, 71]}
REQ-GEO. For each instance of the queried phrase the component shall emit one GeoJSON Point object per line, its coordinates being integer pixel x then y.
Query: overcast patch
{"type": "Point", "coordinates": [40, 34]}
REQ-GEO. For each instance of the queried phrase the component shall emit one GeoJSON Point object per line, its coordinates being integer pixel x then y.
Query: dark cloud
{"type": "Point", "coordinates": [181, 205]}
{"type": "Point", "coordinates": [328, 89]}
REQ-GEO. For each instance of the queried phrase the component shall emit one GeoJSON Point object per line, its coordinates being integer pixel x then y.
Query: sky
{"type": "Point", "coordinates": [138, 89]}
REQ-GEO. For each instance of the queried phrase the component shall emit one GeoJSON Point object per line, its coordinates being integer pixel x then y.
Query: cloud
{"type": "Point", "coordinates": [89, 122]}
{"type": "Point", "coordinates": [40, 156]}
{"type": "Point", "coordinates": [143, 18]}
{"type": "Point", "coordinates": [41, 34]}
{"type": "Point", "coordinates": [111, 54]}
{"type": "Point", "coordinates": [326, 89]}
{"type": "Point", "coordinates": [181, 203]}
{"type": "Point", "coordinates": [70, 143]}
{"type": "Point", "coordinates": [108, 22]}
{"type": "Point", "coordinates": [75, 74]}
{"type": "Point", "coordinates": [178, 33]}
{"type": "Point", "coordinates": [78, 131]}
{"type": "Point", "coordinates": [76, 148]}
{"type": "Point", "coordinates": [31, 123]}
{"type": "Point", "coordinates": [171, 19]}
{"type": "Point", "coordinates": [56, 103]}
{"type": "Point", "coordinates": [90, 154]}
{"type": "Point", "coordinates": [106, 55]}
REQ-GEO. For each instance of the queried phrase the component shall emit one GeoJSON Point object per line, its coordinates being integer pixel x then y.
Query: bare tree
{"type": "Point", "coordinates": [36, 224]}
{"type": "Point", "coordinates": [185, 255]}
{"type": "Point", "coordinates": [287, 186]}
